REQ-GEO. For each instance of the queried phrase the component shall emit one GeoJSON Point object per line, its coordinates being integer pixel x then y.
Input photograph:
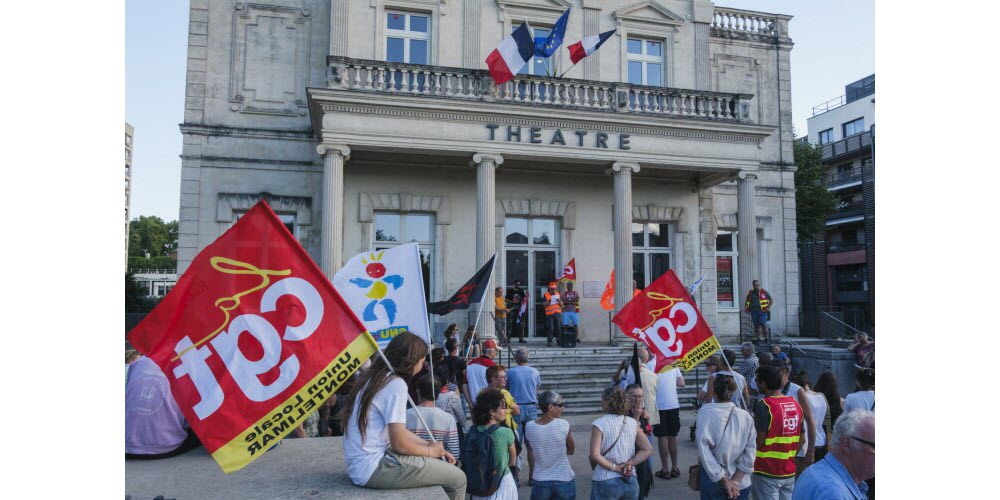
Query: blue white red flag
{"type": "Point", "coordinates": [511, 55]}
{"type": "Point", "coordinates": [588, 46]}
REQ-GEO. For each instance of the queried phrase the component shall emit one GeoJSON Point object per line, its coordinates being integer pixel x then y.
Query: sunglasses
{"type": "Point", "coordinates": [559, 404]}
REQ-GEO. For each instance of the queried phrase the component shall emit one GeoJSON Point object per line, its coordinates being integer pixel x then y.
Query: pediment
{"type": "Point", "coordinates": [649, 11]}
{"type": "Point", "coordinates": [556, 5]}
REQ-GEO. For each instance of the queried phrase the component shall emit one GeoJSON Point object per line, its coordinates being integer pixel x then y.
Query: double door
{"type": "Point", "coordinates": [534, 269]}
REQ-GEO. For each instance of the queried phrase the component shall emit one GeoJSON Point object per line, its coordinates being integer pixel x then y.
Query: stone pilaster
{"type": "Point", "coordinates": [486, 205]}
{"type": "Point", "coordinates": [746, 224]}
{"type": "Point", "coordinates": [470, 40]}
{"type": "Point", "coordinates": [622, 222]}
{"type": "Point", "coordinates": [332, 229]}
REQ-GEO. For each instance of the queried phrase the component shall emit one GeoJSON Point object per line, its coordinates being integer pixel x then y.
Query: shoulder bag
{"type": "Point", "coordinates": [593, 464]}
{"type": "Point", "coordinates": [694, 472]}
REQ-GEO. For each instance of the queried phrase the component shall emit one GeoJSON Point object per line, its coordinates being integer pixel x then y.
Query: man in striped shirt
{"type": "Point", "coordinates": [442, 425]}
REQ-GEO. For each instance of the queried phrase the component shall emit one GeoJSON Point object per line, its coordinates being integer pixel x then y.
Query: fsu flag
{"type": "Point", "coordinates": [470, 293]}
{"type": "Point", "coordinates": [253, 339]}
{"type": "Point", "coordinates": [568, 273]}
{"type": "Point", "coordinates": [663, 317]}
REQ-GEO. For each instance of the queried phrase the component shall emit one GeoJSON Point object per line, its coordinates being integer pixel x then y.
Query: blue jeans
{"type": "Point", "coordinates": [711, 490]}
{"type": "Point", "coordinates": [615, 489]}
{"type": "Point", "coordinates": [554, 490]}
{"type": "Point", "coordinates": [529, 412]}
{"type": "Point", "coordinates": [759, 318]}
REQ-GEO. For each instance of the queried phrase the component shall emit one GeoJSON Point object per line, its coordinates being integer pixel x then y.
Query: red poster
{"type": "Point", "coordinates": [724, 272]}
{"type": "Point", "coordinates": [253, 338]}
{"type": "Point", "coordinates": [667, 321]}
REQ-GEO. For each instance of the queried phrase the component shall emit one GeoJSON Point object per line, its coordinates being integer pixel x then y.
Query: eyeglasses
{"type": "Point", "coordinates": [558, 404]}
{"type": "Point", "coordinates": [863, 441]}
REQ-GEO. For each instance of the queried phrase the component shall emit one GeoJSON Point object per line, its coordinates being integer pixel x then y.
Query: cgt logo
{"type": "Point", "coordinates": [663, 332]}
{"type": "Point", "coordinates": [225, 340]}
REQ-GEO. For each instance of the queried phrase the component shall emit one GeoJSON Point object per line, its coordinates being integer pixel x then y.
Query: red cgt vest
{"type": "Point", "coordinates": [777, 457]}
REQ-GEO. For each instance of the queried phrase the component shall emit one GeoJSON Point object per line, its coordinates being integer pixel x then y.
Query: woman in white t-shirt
{"type": "Point", "coordinates": [817, 408]}
{"type": "Point", "coordinates": [549, 444]}
{"type": "Point", "coordinates": [380, 452]}
{"type": "Point", "coordinates": [864, 398]}
{"type": "Point", "coordinates": [617, 444]}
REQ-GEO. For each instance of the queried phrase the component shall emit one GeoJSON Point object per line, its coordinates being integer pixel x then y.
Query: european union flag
{"type": "Point", "coordinates": [548, 46]}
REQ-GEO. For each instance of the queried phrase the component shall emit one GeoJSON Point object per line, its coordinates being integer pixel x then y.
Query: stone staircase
{"type": "Point", "coordinates": [579, 374]}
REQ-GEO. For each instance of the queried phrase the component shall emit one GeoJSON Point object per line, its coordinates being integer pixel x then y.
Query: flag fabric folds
{"type": "Point", "coordinates": [588, 46]}
{"type": "Point", "coordinates": [608, 297]}
{"type": "Point", "coordinates": [664, 317]}
{"type": "Point", "coordinates": [385, 289]}
{"type": "Point", "coordinates": [252, 339]}
{"type": "Point", "coordinates": [470, 293]}
{"type": "Point", "coordinates": [547, 46]}
{"type": "Point", "coordinates": [568, 274]}
{"type": "Point", "coordinates": [511, 55]}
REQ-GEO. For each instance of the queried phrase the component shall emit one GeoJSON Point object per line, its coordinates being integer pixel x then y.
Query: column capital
{"type": "Point", "coordinates": [747, 174]}
{"type": "Point", "coordinates": [479, 158]}
{"type": "Point", "coordinates": [325, 147]}
{"type": "Point", "coordinates": [618, 166]}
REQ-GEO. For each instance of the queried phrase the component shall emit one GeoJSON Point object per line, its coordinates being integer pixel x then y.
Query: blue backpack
{"type": "Point", "coordinates": [482, 474]}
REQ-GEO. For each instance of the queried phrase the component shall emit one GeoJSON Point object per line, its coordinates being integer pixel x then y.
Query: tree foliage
{"type": "Point", "coordinates": [150, 234]}
{"type": "Point", "coordinates": [813, 203]}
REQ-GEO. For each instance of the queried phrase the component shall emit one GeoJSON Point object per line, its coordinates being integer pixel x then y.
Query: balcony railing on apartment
{"type": "Point", "coordinates": [846, 145]}
{"type": "Point", "coordinates": [381, 77]}
{"type": "Point", "coordinates": [844, 246]}
{"type": "Point", "coordinates": [834, 181]}
{"type": "Point", "coordinates": [848, 210]}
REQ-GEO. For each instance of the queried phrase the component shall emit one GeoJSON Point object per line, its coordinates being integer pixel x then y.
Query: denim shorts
{"type": "Point", "coordinates": [553, 490]}
{"type": "Point", "coordinates": [759, 318]}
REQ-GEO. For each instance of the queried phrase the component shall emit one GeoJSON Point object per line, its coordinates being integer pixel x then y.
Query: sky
{"type": "Point", "coordinates": [834, 45]}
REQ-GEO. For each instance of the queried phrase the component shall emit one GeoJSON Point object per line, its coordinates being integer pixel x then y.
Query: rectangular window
{"type": "Point", "coordinates": [854, 127]}
{"type": "Point", "coordinates": [407, 37]}
{"type": "Point", "coordinates": [826, 136]}
{"type": "Point", "coordinates": [651, 247]}
{"type": "Point", "coordinates": [392, 229]}
{"type": "Point", "coordinates": [128, 154]}
{"type": "Point", "coordinates": [542, 66]}
{"type": "Point", "coordinates": [128, 140]}
{"type": "Point", "coordinates": [288, 220]}
{"type": "Point", "coordinates": [645, 62]}
{"type": "Point", "coordinates": [725, 269]}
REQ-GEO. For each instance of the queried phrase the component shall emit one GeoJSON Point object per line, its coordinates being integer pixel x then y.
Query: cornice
{"type": "Point", "coordinates": [251, 133]}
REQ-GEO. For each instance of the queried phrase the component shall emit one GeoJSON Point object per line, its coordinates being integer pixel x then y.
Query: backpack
{"type": "Point", "coordinates": [482, 474]}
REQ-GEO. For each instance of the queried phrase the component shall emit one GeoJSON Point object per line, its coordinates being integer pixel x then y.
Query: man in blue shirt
{"type": "Point", "coordinates": [523, 382]}
{"type": "Point", "coordinates": [851, 461]}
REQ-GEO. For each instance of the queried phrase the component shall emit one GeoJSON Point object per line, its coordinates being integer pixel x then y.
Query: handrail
{"type": "Point", "coordinates": [854, 331]}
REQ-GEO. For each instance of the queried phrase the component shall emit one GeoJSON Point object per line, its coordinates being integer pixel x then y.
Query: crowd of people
{"type": "Point", "coordinates": [761, 430]}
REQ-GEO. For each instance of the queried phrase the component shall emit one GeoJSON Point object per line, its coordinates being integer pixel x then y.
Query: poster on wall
{"type": "Point", "coordinates": [724, 271]}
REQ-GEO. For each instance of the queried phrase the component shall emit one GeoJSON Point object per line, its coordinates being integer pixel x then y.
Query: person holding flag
{"type": "Point", "coordinates": [571, 314]}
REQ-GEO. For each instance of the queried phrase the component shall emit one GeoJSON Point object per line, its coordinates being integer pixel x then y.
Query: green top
{"type": "Point", "coordinates": [502, 439]}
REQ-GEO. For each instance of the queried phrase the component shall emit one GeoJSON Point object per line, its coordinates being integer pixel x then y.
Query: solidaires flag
{"type": "Point", "coordinates": [253, 339]}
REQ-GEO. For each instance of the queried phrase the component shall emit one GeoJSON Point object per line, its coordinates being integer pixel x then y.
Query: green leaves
{"type": "Point", "coordinates": [812, 200]}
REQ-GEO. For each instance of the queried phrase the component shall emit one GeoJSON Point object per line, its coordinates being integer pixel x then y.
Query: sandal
{"type": "Point", "coordinates": [675, 473]}
{"type": "Point", "coordinates": [662, 475]}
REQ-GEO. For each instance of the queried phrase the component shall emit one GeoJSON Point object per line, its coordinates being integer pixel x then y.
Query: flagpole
{"type": "Point", "coordinates": [738, 390]}
{"type": "Point", "coordinates": [482, 304]}
{"type": "Point", "coordinates": [409, 398]}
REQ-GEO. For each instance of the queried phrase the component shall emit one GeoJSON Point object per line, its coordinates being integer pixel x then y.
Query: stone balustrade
{"type": "Point", "coordinates": [744, 21]}
{"type": "Point", "coordinates": [459, 83]}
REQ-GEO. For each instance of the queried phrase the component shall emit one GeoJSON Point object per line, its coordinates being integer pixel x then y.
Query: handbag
{"type": "Point", "coordinates": [593, 464]}
{"type": "Point", "coordinates": [694, 472]}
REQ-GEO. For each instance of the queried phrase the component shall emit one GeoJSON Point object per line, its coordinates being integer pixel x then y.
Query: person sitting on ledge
{"type": "Point", "coordinates": [380, 452]}
{"type": "Point", "coordinates": [154, 425]}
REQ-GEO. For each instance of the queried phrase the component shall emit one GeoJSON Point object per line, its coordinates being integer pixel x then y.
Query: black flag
{"type": "Point", "coordinates": [635, 364]}
{"type": "Point", "coordinates": [470, 293]}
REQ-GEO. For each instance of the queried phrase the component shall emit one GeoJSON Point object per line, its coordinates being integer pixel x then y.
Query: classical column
{"type": "Point", "coordinates": [746, 225]}
{"type": "Point", "coordinates": [332, 231]}
{"type": "Point", "coordinates": [486, 165]}
{"type": "Point", "coordinates": [622, 172]}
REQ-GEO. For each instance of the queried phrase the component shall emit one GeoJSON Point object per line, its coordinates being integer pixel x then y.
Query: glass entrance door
{"type": "Point", "coordinates": [531, 259]}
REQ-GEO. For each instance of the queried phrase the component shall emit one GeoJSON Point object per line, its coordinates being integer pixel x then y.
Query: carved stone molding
{"type": "Point", "coordinates": [227, 203]}
{"type": "Point", "coordinates": [269, 68]}
{"type": "Point", "coordinates": [727, 222]}
{"type": "Point", "coordinates": [566, 210]}
{"type": "Point", "coordinates": [440, 206]}
{"type": "Point", "coordinates": [660, 213]}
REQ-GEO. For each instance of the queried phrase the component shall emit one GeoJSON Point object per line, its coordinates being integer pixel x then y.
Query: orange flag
{"type": "Point", "coordinates": [608, 297]}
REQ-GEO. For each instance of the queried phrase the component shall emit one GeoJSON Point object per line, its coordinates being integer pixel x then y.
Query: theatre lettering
{"type": "Point", "coordinates": [535, 135]}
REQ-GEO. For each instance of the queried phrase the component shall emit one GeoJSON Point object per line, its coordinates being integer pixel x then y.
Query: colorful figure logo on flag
{"type": "Point", "coordinates": [377, 289]}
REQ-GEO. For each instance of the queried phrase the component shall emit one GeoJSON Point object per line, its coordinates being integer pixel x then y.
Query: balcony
{"type": "Point", "coordinates": [844, 246]}
{"type": "Point", "coordinates": [847, 210]}
{"type": "Point", "coordinates": [462, 84]}
{"type": "Point", "coordinates": [844, 179]}
{"type": "Point", "coordinates": [846, 146]}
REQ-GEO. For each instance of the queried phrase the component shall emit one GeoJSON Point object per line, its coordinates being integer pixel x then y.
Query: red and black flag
{"type": "Point", "coordinates": [470, 293]}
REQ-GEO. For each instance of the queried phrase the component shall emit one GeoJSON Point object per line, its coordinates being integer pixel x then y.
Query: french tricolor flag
{"type": "Point", "coordinates": [508, 58]}
{"type": "Point", "coordinates": [587, 46]}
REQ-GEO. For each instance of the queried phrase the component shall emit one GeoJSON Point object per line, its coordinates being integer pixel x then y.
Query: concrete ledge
{"type": "Point", "coordinates": [299, 468]}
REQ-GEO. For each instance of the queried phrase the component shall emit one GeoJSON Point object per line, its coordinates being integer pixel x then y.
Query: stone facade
{"type": "Point", "coordinates": [291, 100]}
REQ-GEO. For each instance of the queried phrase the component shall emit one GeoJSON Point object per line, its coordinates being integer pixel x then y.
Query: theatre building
{"type": "Point", "coordinates": [369, 123]}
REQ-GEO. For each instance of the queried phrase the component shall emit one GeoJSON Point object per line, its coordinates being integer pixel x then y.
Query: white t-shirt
{"type": "Point", "coordinates": [387, 407]}
{"type": "Point", "coordinates": [666, 390]}
{"type": "Point", "coordinates": [624, 449]}
{"type": "Point", "coordinates": [861, 400]}
{"type": "Point", "coordinates": [793, 390]}
{"type": "Point", "coordinates": [476, 375]}
{"type": "Point", "coordinates": [548, 449]}
{"type": "Point", "coordinates": [817, 404]}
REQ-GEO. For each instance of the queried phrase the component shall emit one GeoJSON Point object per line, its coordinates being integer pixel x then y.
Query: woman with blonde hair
{"type": "Point", "coordinates": [379, 450]}
{"type": "Point", "coordinates": [617, 445]}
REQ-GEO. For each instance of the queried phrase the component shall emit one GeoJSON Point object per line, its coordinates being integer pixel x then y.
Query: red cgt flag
{"type": "Point", "coordinates": [568, 274]}
{"type": "Point", "coordinates": [253, 339]}
{"type": "Point", "coordinates": [667, 321]}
